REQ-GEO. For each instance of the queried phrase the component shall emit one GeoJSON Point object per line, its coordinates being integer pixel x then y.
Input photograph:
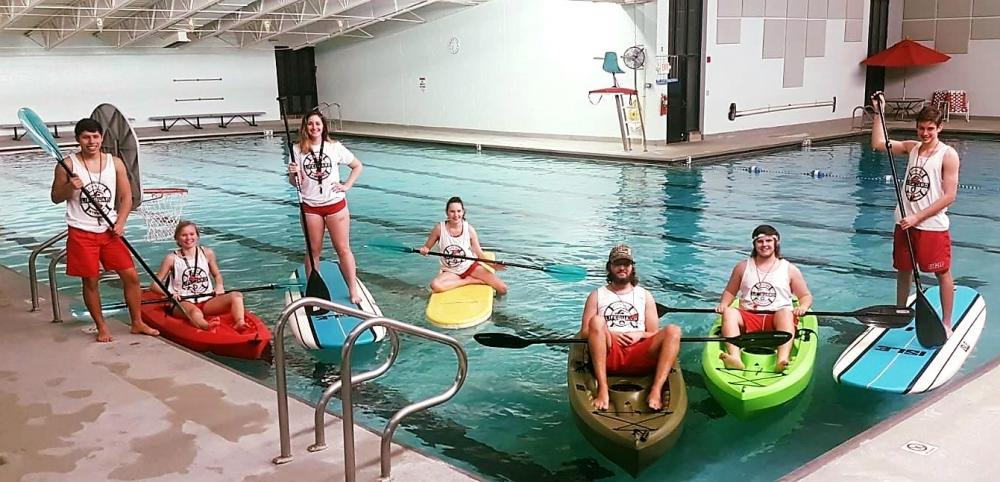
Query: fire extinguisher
{"type": "Point", "coordinates": [663, 104]}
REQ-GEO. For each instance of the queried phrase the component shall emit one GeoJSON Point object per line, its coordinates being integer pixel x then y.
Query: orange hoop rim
{"type": "Point", "coordinates": [165, 190]}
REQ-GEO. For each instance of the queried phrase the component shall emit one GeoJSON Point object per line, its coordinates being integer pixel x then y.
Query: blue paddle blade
{"type": "Point", "coordinates": [566, 272]}
{"type": "Point", "coordinates": [389, 244]}
{"type": "Point", "coordinates": [38, 132]}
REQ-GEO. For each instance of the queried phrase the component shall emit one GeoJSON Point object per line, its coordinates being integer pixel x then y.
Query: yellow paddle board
{"type": "Point", "coordinates": [462, 307]}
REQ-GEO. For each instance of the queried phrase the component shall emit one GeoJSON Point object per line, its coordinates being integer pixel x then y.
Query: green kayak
{"type": "Point", "coordinates": [746, 392]}
{"type": "Point", "coordinates": [629, 432]}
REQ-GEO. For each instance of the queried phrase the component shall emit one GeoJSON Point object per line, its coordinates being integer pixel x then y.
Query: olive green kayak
{"type": "Point", "coordinates": [629, 432]}
{"type": "Point", "coordinates": [756, 388]}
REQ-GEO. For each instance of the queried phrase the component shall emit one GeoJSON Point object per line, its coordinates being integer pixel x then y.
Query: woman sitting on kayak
{"type": "Point", "coordinates": [457, 237]}
{"type": "Point", "coordinates": [186, 272]}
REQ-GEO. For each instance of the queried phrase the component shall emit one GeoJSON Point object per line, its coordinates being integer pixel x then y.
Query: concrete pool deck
{"type": "Point", "coordinates": [68, 415]}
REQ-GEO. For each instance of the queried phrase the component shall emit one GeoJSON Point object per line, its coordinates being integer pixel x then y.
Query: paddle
{"type": "Point", "coordinates": [881, 316]}
{"type": "Point", "coordinates": [40, 134]}
{"type": "Point", "coordinates": [562, 272]}
{"type": "Point", "coordinates": [930, 329]}
{"type": "Point", "coordinates": [315, 286]}
{"type": "Point", "coordinates": [118, 306]}
{"type": "Point", "coordinates": [768, 339]}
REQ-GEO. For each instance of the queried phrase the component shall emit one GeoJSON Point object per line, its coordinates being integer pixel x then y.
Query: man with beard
{"type": "Point", "coordinates": [764, 282]}
{"type": "Point", "coordinates": [623, 333]}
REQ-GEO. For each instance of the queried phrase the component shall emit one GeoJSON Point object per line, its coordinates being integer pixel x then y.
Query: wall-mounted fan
{"type": "Point", "coordinates": [634, 57]}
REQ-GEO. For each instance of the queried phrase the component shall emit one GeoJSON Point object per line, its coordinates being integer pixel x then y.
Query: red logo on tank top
{"type": "Point", "coordinates": [763, 294]}
{"type": "Point", "coordinates": [101, 194]}
{"type": "Point", "coordinates": [918, 183]}
{"type": "Point", "coordinates": [194, 280]}
{"type": "Point", "coordinates": [454, 250]}
{"type": "Point", "coordinates": [620, 314]}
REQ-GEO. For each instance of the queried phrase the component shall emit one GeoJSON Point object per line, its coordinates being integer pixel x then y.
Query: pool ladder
{"type": "Point", "coordinates": [336, 123]}
{"type": "Point", "coordinates": [348, 381]}
{"type": "Point", "coordinates": [867, 117]}
{"type": "Point", "coordinates": [53, 282]}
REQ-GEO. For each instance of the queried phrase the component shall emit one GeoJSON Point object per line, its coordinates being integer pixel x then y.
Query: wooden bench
{"type": "Point", "coordinates": [225, 118]}
{"type": "Point", "coordinates": [53, 125]}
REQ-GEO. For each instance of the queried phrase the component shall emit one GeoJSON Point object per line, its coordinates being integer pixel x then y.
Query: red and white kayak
{"type": "Point", "coordinates": [252, 343]}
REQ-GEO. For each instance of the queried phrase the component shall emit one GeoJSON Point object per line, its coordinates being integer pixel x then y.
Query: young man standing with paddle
{"type": "Point", "coordinates": [623, 331]}
{"type": "Point", "coordinates": [764, 282]}
{"type": "Point", "coordinates": [91, 241]}
{"type": "Point", "coordinates": [930, 186]}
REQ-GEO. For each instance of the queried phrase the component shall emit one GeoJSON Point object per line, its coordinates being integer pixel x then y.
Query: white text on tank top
{"type": "Point", "coordinates": [102, 186]}
{"type": "Point", "coordinates": [768, 291]}
{"type": "Point", "coordinates": [191, 277]}
{"type": "Point", "coordinates": [623, 313]}
{"type": "Point", "coordinates": [923, 186]}
{"type": "Point", "coordinates": [460, 245]}
{"type": "Point", "coordinates": [317, 175]}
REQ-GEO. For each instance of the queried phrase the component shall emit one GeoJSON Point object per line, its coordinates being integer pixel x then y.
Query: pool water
{"type": "Point", "coordinates": [688, 226]}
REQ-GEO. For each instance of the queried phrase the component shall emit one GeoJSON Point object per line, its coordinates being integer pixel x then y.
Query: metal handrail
{"type": "Point", "coordinates": [733, 113]}
{"type": "Point", "coordinates": [32, 261]}
{"type": "Point", "coordinates": [338, 122]}
{"type": "Point", "coordinates": [370, 321]}
{"type": "Point", "coordinates": [54, 288]}
{"type": "Point", "coordinates": [854, 115]}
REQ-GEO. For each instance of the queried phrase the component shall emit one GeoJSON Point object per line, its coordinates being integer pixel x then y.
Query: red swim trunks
{"type": "Point", "coordinates": [631, 360]}
{"type": "Point", "coordinates": [933, 250]}
{"type": "Point", "coordinates": [325, 211]}
{"type": "Point", "coordinates": [86, 252]}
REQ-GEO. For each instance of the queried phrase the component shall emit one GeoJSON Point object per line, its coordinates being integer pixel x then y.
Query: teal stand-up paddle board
{"type": "Point", "coordinates": [330, 330]}
{"type": "Point", "coordinates": [894, 361]}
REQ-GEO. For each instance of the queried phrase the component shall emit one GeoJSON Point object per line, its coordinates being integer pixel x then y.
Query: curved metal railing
{"type": "Point", "coordinates": [336, 123]}
{"type": "Point", "coordinates": [348, 380]}
{"type": "Point", "coordinates": [32, 261]}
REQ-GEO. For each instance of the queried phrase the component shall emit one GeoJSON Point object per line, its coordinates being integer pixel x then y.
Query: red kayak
{"type": "Point", "coordinates": [252, 343]}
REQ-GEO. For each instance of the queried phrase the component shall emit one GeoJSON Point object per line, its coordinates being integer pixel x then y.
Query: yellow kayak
{"type": "Point", "coordinates": [462, 307]}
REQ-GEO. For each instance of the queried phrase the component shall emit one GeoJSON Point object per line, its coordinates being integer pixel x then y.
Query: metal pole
{"type": "Point", "coordinates": [53, 288]}
{"type": "Point", "coordinates": [32, 274]}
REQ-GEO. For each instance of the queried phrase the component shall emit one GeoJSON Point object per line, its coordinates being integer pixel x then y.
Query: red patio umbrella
{"type": "Point", "coordinates": [906, 53]}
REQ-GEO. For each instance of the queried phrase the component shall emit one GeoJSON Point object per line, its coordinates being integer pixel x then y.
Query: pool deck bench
{"type": "Point", "coordinates": [54, 125]}
{"type": "Point", "coordinates": [225, 118]}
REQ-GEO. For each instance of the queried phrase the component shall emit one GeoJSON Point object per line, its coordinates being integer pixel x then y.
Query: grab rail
{"type": "Point", "coordinates": [338, 122]}
{"type": "Point", "coordinates": [733, 113]}
{"type": "Point", "coordinates": [866, 113]}
{"type": "Point", "coordinates": [32, 261]}
{"type": "Point", "coordinates": [348, 381]}
{"type": "Point", "coordinates": [54, 288]}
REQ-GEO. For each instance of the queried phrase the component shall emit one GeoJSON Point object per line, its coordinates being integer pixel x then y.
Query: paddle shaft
{"type": "Point", "coordinates": [302, 211]}
{"type": "Point", "coordinates": [693, 339]}
{"type": "Point", "coordinates": [104, 216]}
{"type": "Point", "coordinates": [482, 260]}
{"type": "Point", "coordinates": [899, 196]}
{"type": "Point", "coordinates": [118, 306]}
{"type": "Point", "coordinates": [669, 309]}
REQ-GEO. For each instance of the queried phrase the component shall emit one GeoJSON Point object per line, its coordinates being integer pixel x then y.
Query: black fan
{"type": "Point", "coordinates": [634, 57]}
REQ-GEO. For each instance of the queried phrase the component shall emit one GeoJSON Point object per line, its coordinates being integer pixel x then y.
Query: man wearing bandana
{"type": "Point", "coordinates": [764, 282]}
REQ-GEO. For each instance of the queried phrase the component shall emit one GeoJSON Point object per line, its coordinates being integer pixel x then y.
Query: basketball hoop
{"type": "Point", "coordinates": [162, 208]}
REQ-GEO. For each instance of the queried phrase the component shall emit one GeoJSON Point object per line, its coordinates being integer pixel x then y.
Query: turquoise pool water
{"type": "Point", "coordinates": [688, 226]}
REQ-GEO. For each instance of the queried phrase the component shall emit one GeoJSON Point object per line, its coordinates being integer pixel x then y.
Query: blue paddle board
{"type": "Point", "coordinates": [330, 330]}
{"type": "Point", "coordinates": [894, 361]}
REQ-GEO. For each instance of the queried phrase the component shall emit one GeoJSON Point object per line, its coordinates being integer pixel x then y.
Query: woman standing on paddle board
{"type": "Point", "coordinates": [186, 272]}
{"type": "Point", "coordinates": [930, 186]}
{"type": "Point", "coordinates": [456, 236]}
{"type": "Point", "coordinates": [315, 170]}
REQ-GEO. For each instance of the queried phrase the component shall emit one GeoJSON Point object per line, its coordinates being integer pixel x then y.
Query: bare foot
{"type": "Point", "coordinates": [600, 402]}
{"type": "Point", "coordinates": [140, 328]}
{"type": "Point", "coordinates": [780, 366]}
{"type": "Point", "coordinates": [104, 335]}
{"type": "Point", "coordinates": [731, 362]}
{"type": "Point", "coordinates": [655, 401]}
{"type": "Point", "coordinates": [947, 330]}
{"type": "Point", "coordinates": [240, 327]}
{"type": "Point", "coordinates": [355, 299]}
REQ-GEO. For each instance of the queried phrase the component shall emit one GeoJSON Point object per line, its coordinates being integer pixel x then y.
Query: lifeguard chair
{"type": "Point", "coordinates": [624, 110]}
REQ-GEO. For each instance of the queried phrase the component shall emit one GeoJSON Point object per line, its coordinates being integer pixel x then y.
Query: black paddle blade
{"type": "Point", "coordinates": [661, 310]}
{"type": "Point", "coordinates": [930, 330]}
{"type": "Point", "coordinates": [762, 339]}
{"type": "Point", "coordinates": [885, 316]}
{"type": "Point", "coordinates": [316, 288]}
{"type": "Point", "coordinates": [501, 340]}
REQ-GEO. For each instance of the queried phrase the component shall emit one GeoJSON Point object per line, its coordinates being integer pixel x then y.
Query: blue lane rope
{"type": "Point", "coordinates": [819, 174]}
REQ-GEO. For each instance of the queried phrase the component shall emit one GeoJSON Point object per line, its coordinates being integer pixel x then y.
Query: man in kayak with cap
{"type": "Point", "coordinates": [763, 282]}
{"type": "Point", "coordinates": [623, 331]}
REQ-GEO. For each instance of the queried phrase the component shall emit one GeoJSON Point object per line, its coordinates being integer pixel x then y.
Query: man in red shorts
{"type": "Point", "coordinates": [91, 241]}
{"type": "Point", "coordinates": [623, 331]}
{"type": "Point", "coordinates": [763, 282]}
{"type": "Point", "coordinates": [931, 184]}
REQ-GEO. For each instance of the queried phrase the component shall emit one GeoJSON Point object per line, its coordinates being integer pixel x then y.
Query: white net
{"type": "Point", "coordinates": [162, 209]}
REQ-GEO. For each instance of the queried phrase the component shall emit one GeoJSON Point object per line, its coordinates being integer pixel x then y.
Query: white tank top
{"type": "Point", "coordinates": [460, 245]}
{"type": "Point", "coordinates": [316, 179]}
{"type": "Point", "coordinates": [767, 291]}
{"type": "Point", "coordinates": [922, 186]}
{"type": "Point", "coordinates": [191, 276]}
{"type": "Point", "coordinates": [625, 312]}
{"type": "Point", "coordinates": [102, 186]}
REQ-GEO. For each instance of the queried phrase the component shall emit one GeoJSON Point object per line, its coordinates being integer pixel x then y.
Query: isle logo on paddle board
{"type": "Point", "coordinates": [620, 314]}
{"type": "Point", "coordinates": [194, 280]}
{"type": "Point", "coordinates": [100, 194]}
{"type": "Point", "coordinates": [918, 183]}
{"type": "Point", "coordinates": [317, 170]}
{"type": "Point", "coordinates": [453, 250]}
{"type": "Point", "coordinates": [763, 294]}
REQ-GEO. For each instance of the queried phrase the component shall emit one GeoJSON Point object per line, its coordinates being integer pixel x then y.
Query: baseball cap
{"type": "Point", "coordinates": [622, 251]}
